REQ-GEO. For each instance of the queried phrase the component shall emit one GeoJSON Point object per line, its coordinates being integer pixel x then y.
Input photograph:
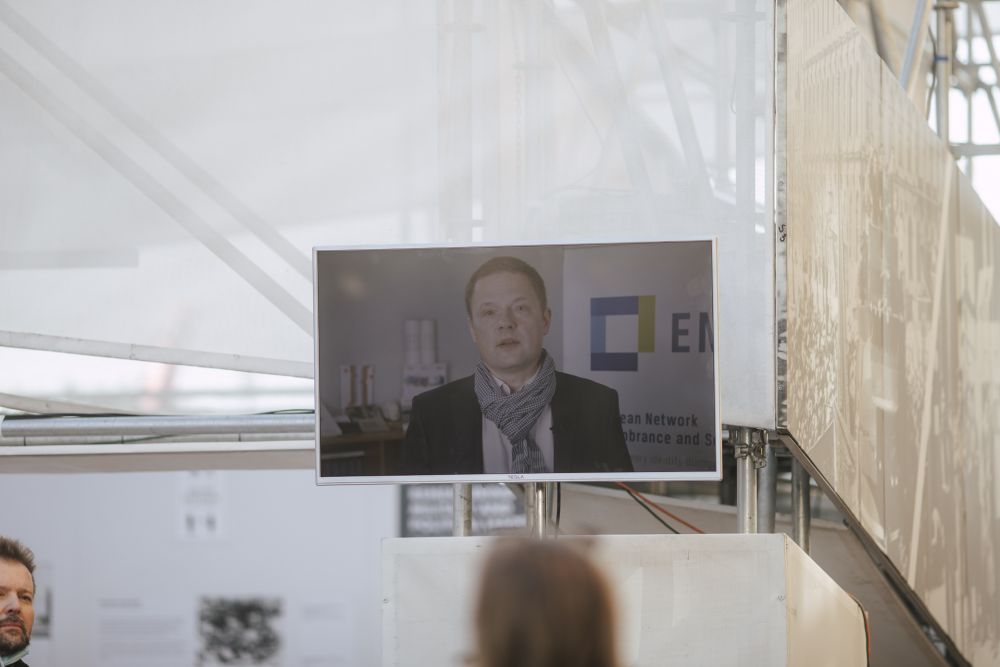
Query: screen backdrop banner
{"type": "Point", "coordinates": [643, 321]}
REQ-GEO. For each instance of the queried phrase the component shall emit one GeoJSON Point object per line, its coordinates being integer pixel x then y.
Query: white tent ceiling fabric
{"type": "Point", "coordinates": [167, 167]}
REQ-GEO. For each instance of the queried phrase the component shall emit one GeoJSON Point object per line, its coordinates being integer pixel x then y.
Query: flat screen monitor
{"type": "Point", "coordinates": [569, 362]}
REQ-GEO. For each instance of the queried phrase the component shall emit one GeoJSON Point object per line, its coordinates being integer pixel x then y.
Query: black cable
{"type": "Point", "coordinates": [651, 512]}
{"type": "Point", "coordinates": [49, 415]}
{"type": "Point", "coordinates": [558, 505]}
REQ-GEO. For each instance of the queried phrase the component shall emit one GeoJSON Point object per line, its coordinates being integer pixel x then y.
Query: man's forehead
{"type": "Point", "coordinates": [14, 574]}
{"type": "Point", "coordinates": [502, 283]}
{"type": "Point", "coordinates": [489, 299]}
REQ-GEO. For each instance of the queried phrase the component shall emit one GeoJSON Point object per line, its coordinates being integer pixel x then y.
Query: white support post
{"type": "Point", "coordinates": [943, 68]}
{"type": "Point", "coordinates": [801, 506]}
{"type": "Point", "coordinates": [915, 47]}
{"type": "Point", "coordinates": [462, 518]}
{"type": "Point", "coordinates": [746, 481]}
{"type": "Point", "coordinates": [767, 489]}
{"type": "Point", "coordinates": [536, 508]}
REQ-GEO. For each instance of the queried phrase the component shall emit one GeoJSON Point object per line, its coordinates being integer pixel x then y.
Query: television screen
{"type": "Point", "coordinates": [591, 362]}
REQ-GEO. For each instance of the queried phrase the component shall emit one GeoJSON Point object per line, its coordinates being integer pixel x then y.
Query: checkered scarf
{"type": "Point", "coordinates": [515, 414]}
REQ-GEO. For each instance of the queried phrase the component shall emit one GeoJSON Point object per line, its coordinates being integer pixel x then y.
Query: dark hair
{"type": "Point", "coordinates": [12, 550]}
{"type": "Point", "coordinates": [543, 604]}
{"type": "Point", "coordinates": [506, 265]}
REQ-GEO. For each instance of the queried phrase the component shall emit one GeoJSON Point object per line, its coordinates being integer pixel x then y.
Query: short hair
{"type": "Point", "coordinates": [12, 550]}
{"type": "Point", "coordinates": [543, 604]}
{"type": "Point", "coordinates": [506, 265]}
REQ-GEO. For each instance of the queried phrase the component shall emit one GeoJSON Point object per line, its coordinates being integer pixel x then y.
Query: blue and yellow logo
{"type": "Point", "coordinates": [642, 307]}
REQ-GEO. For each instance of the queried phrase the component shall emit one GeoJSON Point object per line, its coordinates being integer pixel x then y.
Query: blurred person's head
{"type": "Point", "coordinates": [508, 317]}
{"type": "Point", "coordinates": [543, 604]}
{"type": "Point", "coordinates": [17, 596]}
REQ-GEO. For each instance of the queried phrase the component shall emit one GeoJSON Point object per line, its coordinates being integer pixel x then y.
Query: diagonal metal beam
{"type": "Point", "coordinates": [584, 73]}
{"type": "Point", "coordinates": [162, 355]}
{"type": "Point", "coordinates": [915, 46]}
{"type": "Point", "coordinates": [666, 57]}
{"type": "Point", "coordinates": [51, 406]}
{"type": "Point", "coordinates": [877, 14]}
{"type": "Point", "coordinates": [155, 191]}
{"type": "Point", "coordinates": [581, 71]}
{"type": "Point", "coordinates": [626, 23]}
{"type": "Point", "coordinates": [155, 425]}
{"type": "Point", "coordinates": [612, 81]}
{"type": "Point", "coordinates": [155, 139]}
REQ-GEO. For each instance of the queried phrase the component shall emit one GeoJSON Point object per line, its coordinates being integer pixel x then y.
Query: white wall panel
{"type": "Point", "coordinates": [674, 596]}
{"type": "Point", "coordinates": [126, 574]}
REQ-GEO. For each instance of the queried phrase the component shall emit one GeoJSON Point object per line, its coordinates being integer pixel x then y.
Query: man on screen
{"type": "Point", "coordinates": [516, 414]}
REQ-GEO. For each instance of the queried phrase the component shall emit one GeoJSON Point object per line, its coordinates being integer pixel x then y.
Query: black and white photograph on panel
{"type": "Point", "coordinates": [43, 601]}
{"type": "Point", "coordinates": [239, 631]}
{"type": "Point", "coordinates": [561, 362]}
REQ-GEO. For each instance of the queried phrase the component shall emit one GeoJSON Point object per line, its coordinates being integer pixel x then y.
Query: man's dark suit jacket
{"type": "Point", "coordinates": [445, 436]}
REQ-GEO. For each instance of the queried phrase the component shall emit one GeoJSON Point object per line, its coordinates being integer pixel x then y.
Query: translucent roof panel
{"type": "Point", "coordinates": [166, 167]}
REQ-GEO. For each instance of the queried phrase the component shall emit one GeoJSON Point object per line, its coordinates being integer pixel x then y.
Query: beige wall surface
{"type": "Point", "coordinates": [893, 324]}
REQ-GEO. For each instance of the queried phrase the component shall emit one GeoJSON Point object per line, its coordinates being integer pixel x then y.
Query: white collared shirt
{"type": "Point", "coordinates": [497, 448]}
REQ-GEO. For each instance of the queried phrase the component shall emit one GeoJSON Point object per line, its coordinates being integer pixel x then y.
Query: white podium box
{"type": "Point", "coordinates": [692, 600]}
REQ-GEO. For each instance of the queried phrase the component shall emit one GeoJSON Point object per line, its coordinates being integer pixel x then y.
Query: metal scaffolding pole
{"type": "Point", "coordinates": [78, 440]}
{"type": "Point", "coordinates": [746, 480]}
{"type": "Point", "coordinates": [114, 426]}
{"type": "Point", "coordinates": [801, 509]}
{"type": "Point", "coordinates": [462, 519]}
{"type": "Point", "coordinates": [552, 528]}
{"type": "Point", "coordinates": [969, 92]}
{"type": "Point", "coordinates": [915, 46]}
{"type": "Point", "coordinates": [877, 14]}
{"type": "Point", "coordinates": [536, 508]}
{"type": "Point", "coordinates": [767, 489]}
{"type": "Point", "coordinates": [943, 66]}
